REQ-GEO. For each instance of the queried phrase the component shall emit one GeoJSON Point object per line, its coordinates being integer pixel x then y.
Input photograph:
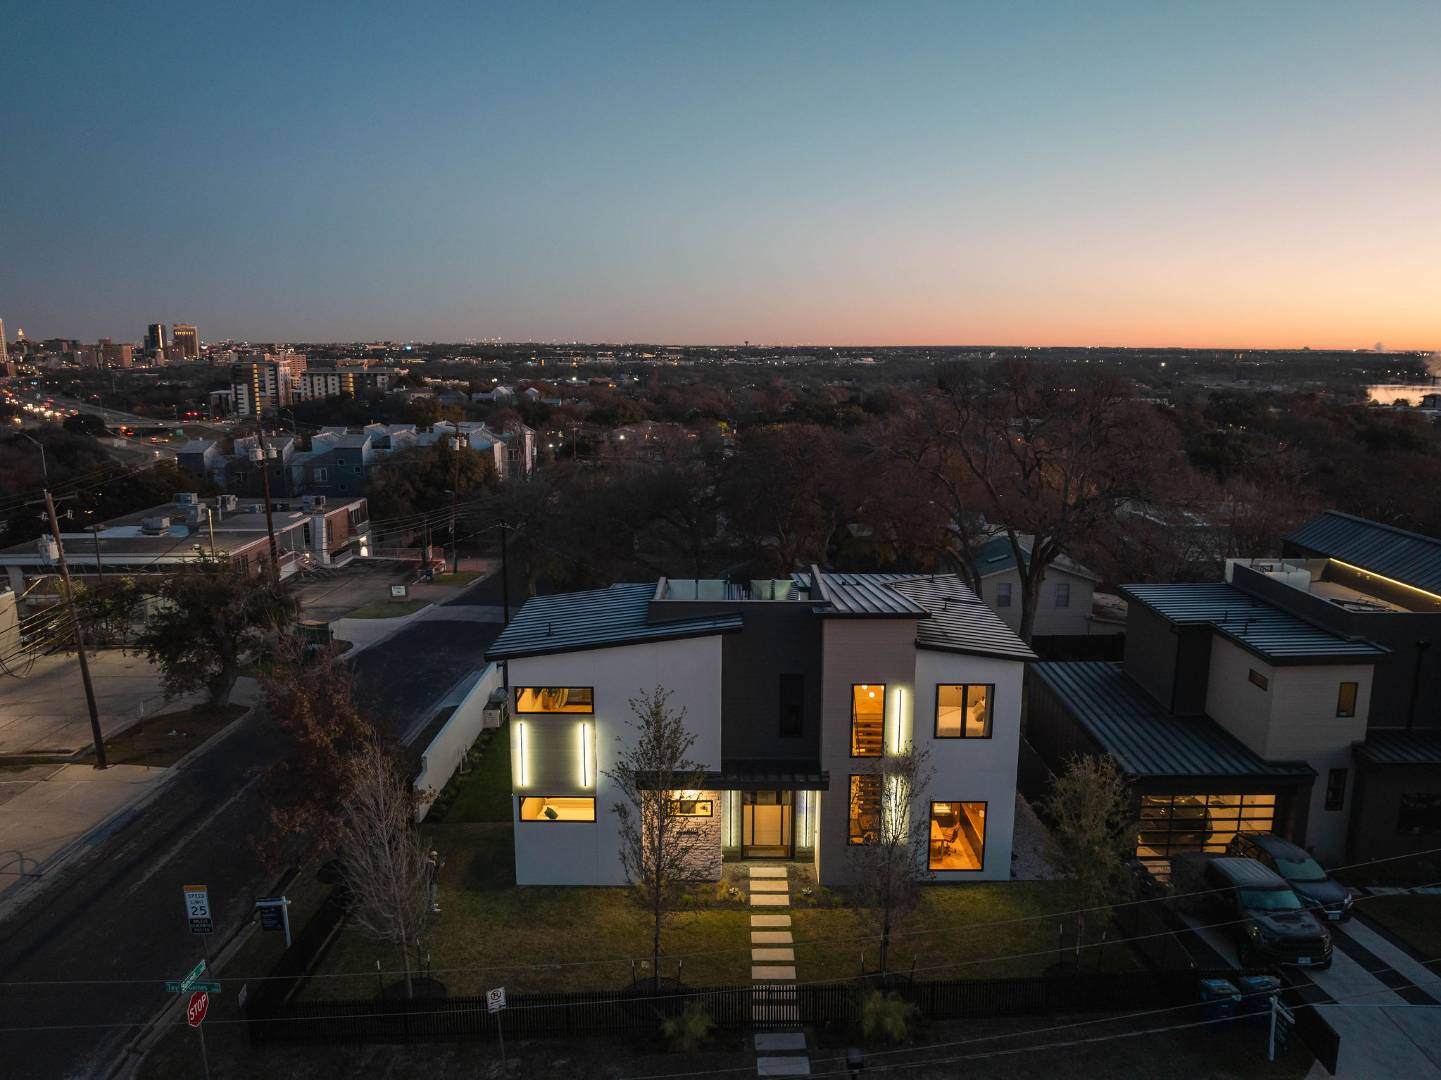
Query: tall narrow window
{"type": "Point", "coordinates": [1063, 594]}
{"type": "Point", "coordinates": [792, 702]}
{"type": "Point", "coordinates": [1346, 700]}
{"type": "Point", "coordinates": [964, 711]}
{"type": "Point", "coordinates": [1336, 789]}
{"type": "Point", "coordinates": [1003, 594]}
{"type": "Point", "coordinates": [865, 809]}
{"type": "Point", "coordinates": [868, 719]}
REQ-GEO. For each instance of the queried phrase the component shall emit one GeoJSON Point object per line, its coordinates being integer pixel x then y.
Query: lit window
{"type": "Point", "coordinates": [1257, 679]}
{"type": "Point", "coordinates": [865, 809]}
{"type": "Point", "coordinates": [868, 719]}
{"type": "Point", "coordinates": [692, 807]}
{"type": "Point", "coordinates": [1063, 595]}
{"type": "Point", "coordinates": [1346, 700]}
{"type": "Point", "coordinates": [964, 711]}
{"type": "Point", "coordinates": [549, 808]}
{"type": "Point", "coordinates": [1003, 594]}
{"type": "Point", "coordinates": [958, 836]}
{"type": "Point", "coordinates": [554, 699]}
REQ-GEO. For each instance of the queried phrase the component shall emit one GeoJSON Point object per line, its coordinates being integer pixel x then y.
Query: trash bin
{"type": "Point", "coordinates": [1256, 991]}
{"type": "Point", "coordinates": [1220, 998]}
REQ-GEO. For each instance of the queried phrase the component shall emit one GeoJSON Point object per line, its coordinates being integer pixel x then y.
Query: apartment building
{"type": "Point", "coordinates": [796, 690]}
{"type": "Point", "coordinates": [1301, 695]}
{"type": "Point", "coordinates": [314, 384]}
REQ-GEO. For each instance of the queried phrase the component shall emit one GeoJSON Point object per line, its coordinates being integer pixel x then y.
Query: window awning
{"type": "Point", "coordinates": [747, 775]}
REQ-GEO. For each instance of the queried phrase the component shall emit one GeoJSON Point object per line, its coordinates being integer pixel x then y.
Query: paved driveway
{"type": "Point", "coordinates": [1383, 1033]}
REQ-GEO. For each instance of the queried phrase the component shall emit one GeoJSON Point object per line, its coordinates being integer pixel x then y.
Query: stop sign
{"type": "Point", "coordinates": [197, 1008]}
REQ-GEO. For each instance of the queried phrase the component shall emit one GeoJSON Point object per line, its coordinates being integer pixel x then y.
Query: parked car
{"type": "Point", "coordinates": [1254, 907]}
{"type": "Point", "coordinates": [1320, 892]}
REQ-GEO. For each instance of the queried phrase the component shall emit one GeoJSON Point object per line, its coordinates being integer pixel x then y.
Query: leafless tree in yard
{"type": "Point", "coordinates": [895, 859]}
{"type": "Point", "coordinates": [660, 849]}
{"type": "Point", "coordinates": [384, 863]}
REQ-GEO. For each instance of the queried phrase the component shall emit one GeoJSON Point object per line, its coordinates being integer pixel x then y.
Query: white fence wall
{"type": "Point", "coordinates": [445, 752]}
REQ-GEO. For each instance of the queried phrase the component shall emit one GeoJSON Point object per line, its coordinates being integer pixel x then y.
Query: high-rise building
{"type": "Point", "coordinates": [186, 337]}
{"type": "Point", "coordinates": [260, 385]}
{"type": "Point", "coordinates": [155, 340]}
{"type": "Point", "coordinates": [3, 354]}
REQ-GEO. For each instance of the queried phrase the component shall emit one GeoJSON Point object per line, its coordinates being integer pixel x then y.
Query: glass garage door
{"type": "Point", "coordinates": [1174, 823]}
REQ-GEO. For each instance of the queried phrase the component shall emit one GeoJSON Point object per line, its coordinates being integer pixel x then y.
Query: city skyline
{"type": "Point", "coordinates": [1197, 176]}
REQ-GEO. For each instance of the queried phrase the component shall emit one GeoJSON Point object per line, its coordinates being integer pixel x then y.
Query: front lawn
{"type": "Point", "coordinates": [386, 609]}
{"type": "Point", "coordinates": [492, 933]}
{"type": "Point", "coordinates": [958, 932]}
{"type": "Point", "coordinates": [1415, 918]}
{"type": "Point", "coordinates": [482, 792]}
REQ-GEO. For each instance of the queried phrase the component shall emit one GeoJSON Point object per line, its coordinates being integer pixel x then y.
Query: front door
{"type": "Point", "coordinates": [767, 824]}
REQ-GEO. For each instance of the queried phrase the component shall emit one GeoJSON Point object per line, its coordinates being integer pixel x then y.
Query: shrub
{"type": "Point", "coordinates": [886, 1016]}
{"type": "Point", "coordinates": [689, 1031]}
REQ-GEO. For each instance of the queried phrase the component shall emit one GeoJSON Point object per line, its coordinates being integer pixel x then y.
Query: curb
{"type": "Point", "coordinates": [22, 891]}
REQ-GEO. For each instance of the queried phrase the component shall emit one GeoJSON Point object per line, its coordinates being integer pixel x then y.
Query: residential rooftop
{"type": "Point", "coordinates": [1406, 557]}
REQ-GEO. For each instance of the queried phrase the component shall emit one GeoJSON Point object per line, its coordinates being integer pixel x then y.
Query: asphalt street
{"type": "Point", "coordinates": [83, 962]}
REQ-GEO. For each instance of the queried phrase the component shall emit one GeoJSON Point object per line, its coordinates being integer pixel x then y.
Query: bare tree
{"type": "Point", "coordinates": [661, 849]}
{"type": "Point", "coordinates": [895, 857]}
{"type": "Point", "coordinates": [1092, 827]}
{"type": "Point", "coordinates": [383, 862]}
{"type": "Point", "coordinates": [1054, 453]}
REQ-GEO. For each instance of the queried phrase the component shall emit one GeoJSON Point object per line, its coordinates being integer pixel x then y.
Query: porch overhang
{"type": "Point", "coordinates": [754, 776]}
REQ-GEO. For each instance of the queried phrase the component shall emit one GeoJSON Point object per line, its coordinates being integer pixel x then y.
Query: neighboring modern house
{"type": "Point", "coordinates": [1066, 603]}
{"type": "Point", "coordinates": [795, 690]}
{"type": "Point", "coordinates": [156, 541]}
{"type": "Point", "coordinates": [1300, 696]}
{"type": "Point", "coordinates": [340, 467]}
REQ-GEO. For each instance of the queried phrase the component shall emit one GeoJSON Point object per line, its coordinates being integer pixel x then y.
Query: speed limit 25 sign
{"type": "Point", "coordinates": [197, 909]}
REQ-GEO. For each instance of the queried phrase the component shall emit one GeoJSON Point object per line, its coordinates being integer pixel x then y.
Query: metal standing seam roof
{"type": "Point", "coordinates": [1407, 557]}
{"type": "Point", "coordinates": [865, 594]}
{"type": "Point", "coordinates": [597, 619]}
{"type": "Point", "coordinates": [1146, 740]}
{"type": "Point", "coordinates": [1262, 628]}
{"type": "Point", "coordinates": [949, 615]}
{"type": "Point", "coordinates": [1400, 748]}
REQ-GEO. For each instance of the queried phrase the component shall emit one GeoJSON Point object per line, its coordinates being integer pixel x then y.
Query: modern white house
{"type": "Point", "coordinates": [796, 690]}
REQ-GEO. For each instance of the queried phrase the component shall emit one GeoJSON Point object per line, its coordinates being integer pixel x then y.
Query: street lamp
{"type": "Point", "coordinates": [44, 471]}
{"type": "Point", "coordinates": [454, 500]}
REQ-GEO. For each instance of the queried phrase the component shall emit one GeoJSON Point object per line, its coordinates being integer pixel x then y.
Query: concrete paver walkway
{"type": "Point", "coordinates": [773, 973]}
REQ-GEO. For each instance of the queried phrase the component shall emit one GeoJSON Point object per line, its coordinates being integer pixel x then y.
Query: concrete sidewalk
{"type": "Point", "coordinates": [43, 711]}
{"type": "Point", "coordinates": [46, 810]}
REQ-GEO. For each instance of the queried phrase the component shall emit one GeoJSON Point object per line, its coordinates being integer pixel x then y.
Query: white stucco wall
{"type": "Point", "coordinates": [585, 853]}
{"type": "Point", "coordinates": [973, 770]}
{"type": "Point", "coordinates": [1293, 719]}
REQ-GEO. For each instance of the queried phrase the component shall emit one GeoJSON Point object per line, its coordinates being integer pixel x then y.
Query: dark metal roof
{"type": "Point", "coordinates": [1145, 740]}
{"type": "Point", "coordinates": [958, 621]}
{"type": "Point", "coordinates": [596, 619]}
{"type": "Point", "coordinates": [865, 594]}
{"type": "Point", "coordinates": [1262, 628]}
{"type": "Point", "coordinates": [949, 615]}
{"type": "Point", "coordinates": [1407, 557]}
{"type": "Point", "coordinates": [1400, 748]}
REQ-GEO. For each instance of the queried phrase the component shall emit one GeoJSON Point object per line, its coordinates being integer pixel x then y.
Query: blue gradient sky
{"type": "Point", "coordinates": [1101, 173]}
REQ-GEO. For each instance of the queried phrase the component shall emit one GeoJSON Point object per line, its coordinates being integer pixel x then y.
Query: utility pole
{"type": "Point", "coordinates": [504, 576]}
{"type": "Point", "coordinates": [100, 762]}
{"type": "Point", "coordinates": [454, 499]}
{"type": "Point", "coordinates": [265, 454]}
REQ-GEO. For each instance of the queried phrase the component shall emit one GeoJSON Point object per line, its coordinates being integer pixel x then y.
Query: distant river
{"type": "Point", "coordinates": [1390, 394]}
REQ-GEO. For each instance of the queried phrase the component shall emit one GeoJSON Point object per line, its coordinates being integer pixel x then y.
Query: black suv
{"type": "Point", "coordinates": [1320, 892]}
{"type": "Point", "coordinates": [1262, 914]}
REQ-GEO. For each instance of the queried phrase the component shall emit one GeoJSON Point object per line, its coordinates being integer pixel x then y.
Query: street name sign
{"type": "Point", "coordinates": [182, 988]}
{"type": "Point", "coordinates": [197, 909]}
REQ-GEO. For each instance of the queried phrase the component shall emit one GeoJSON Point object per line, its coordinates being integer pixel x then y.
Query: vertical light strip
{"type": "Point", "coordinates": [900, 719]}
{"type": "Point", "coordinates": [585, 753]}
{"type": "Point", "coordinates": [520, 733]}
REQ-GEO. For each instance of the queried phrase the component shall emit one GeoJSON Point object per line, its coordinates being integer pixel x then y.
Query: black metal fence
{"type": "Point", "coordinates": [735, 1008]}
